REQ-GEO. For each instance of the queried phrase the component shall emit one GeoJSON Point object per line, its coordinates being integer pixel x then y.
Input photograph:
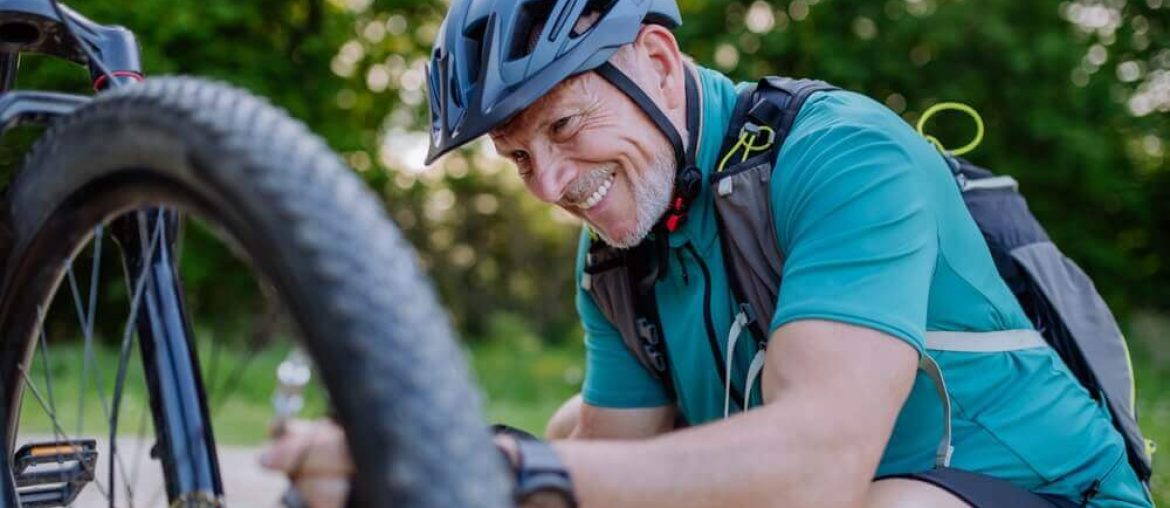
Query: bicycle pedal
{"type": "Point", "coordinates": [53, 473]}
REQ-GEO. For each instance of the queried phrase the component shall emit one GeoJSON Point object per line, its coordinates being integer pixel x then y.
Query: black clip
{"type": "Point", "coordinates": [746, 310]}
{"type": "Point", "coordinates": [755, 130]}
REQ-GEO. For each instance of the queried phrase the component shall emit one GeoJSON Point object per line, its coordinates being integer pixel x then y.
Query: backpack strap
{"type": "Point", "coordinates": [621, 282]}
{"type": "Point", "coordinates": [760, 123]}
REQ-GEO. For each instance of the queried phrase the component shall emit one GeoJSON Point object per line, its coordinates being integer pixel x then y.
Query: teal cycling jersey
{"type": "Point", "coordinates": [875, 234]}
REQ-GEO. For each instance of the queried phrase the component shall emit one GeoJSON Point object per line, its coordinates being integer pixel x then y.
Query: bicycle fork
{"type": "Point", "coordinates": [185, 442]}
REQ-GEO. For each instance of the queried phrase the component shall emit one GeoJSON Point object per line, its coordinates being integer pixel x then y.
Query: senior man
{"type": "Point", "coordinates": [605, 117]}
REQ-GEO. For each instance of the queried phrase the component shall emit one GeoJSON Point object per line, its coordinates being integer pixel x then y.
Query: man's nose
{"type": "Point", "coordinates": [551, 180]}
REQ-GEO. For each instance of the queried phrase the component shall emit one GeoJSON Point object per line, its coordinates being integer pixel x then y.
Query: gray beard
{"type": "Point", "coordinates": [651, 198]}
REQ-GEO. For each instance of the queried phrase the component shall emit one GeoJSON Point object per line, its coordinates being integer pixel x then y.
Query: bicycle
{"type": "Point", "coordinates": [138, 163]}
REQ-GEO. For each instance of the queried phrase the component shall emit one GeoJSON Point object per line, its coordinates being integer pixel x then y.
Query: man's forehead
{"type": "Point", "coordinates": [569, 94]}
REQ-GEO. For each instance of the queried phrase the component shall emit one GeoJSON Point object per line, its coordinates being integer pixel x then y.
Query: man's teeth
{"type": "Point", "coordinates": [598, 194]}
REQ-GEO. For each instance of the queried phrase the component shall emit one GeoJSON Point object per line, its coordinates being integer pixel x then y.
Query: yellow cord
{"type": "Point", "coordinates": [747, 150]}
{"type": "Point", "coordinates": [726, 156]}
{"type": "Point", "coordinates": [748, 143]}
{"type": "Point", "coordinates": [956, 106]}
{"type": "Point", "coordinates": [752, 142]}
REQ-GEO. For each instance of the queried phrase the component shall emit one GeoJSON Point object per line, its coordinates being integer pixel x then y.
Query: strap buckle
{"type": "Point", "coordinates": [748, 313]}
{"type": "Point", "coordinates": [754, 129]}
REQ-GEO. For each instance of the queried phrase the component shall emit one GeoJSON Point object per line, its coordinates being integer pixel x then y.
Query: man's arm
{"type": "Point", "coordinates": [833, 392]}
{"type": "Point", "coordinates": [577, 420]}
{"type": "Point", "coordinates": [604, 423]}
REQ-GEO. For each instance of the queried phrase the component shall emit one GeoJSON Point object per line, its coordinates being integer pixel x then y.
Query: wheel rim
{"type": "Point", "coordinates": [76, 289]}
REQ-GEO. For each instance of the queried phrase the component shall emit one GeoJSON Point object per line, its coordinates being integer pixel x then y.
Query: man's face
{"type": "Point", "coordinates": [588, 149]}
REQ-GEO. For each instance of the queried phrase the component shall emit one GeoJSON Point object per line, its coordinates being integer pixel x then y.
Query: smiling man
{"type": "Point", "coordinates": [605, 117]}
{"type": "Point", "coordinates": [618, 177]}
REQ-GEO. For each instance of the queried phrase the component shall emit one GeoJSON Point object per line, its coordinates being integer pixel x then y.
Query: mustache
{"type": "Point", "coordinates": [583, 186]}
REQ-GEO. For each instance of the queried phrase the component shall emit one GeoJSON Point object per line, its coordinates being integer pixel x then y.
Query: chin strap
{"type": "Point", "coordinates": [687, 179]}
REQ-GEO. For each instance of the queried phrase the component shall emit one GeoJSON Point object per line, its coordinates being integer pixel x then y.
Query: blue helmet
{"type": "Point", "coordinates": [488, 63]}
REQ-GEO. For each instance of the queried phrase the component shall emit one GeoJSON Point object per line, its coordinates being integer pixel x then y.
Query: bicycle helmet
{"type": "Point", "coordinates": [488, 63]}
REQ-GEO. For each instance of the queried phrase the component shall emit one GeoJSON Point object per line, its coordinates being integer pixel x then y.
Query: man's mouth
{"type": "Point", "coordinates": [590, 189]}
{"type": "Point", "coordinates": [598, 194]}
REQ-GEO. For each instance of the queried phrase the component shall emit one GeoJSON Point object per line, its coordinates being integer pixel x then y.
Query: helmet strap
{"type": "Point", "coordinates": [687, 178]}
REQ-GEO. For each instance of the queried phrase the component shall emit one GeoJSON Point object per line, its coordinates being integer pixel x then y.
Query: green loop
{"type": "Point", "coordinates": [957, 106]}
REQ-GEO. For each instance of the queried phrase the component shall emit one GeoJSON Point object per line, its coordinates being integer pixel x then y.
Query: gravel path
{"type": "Point", "coordinates": [246, 484]}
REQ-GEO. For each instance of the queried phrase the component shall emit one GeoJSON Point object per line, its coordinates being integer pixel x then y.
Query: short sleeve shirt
{"type": "Point", "coordinates": [875, 234]}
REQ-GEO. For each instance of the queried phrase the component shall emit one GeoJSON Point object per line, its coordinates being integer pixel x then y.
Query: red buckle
{"type": "Point", "coordinates": [97, 83]}
{"type": "Point", "coordinates": [673, 222]}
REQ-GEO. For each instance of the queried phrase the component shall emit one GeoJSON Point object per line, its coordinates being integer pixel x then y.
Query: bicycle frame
{"type": "Point", "coordinates": [182, 425]}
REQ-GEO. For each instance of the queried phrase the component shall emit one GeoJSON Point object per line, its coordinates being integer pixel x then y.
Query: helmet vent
{"type": "Point", "coordinates": [473, 48]}
{"type": "Point", "coordinates": [530, 20]}
{"type": "Point", "coordinates": [593, 11]}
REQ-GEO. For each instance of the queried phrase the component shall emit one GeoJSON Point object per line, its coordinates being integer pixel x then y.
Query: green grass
{"type": "Point", "coordinates": [241, 412]}
{"type": "Point", "coordinates": [524, 381]}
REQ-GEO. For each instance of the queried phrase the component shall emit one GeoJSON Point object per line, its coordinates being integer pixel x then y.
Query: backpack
{"type": "Point", "coordinates": [1058, 297]}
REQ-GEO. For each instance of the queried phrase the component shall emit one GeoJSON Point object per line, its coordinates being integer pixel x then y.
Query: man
{"type": "Point", "coordinates": [589, 100]}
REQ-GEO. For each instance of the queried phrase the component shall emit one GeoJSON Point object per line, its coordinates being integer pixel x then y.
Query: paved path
{"type": "Point", "coordinates": [246, 484]}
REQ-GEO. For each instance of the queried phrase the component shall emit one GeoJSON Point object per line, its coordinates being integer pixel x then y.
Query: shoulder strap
{"type": "Point", "coordinates": [761, 121]}
{"type": "Point", "coordinates": [621, 282]}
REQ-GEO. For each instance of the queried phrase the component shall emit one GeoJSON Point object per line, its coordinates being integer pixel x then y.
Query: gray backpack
{"type": "Point", "coordinates": [1060, 299]}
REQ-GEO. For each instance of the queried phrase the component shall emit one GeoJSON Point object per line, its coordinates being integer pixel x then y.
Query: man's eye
{"type": "Point", "coordinates": [561, 123]}
{"type": "Point", "coordinates": [521, 160]}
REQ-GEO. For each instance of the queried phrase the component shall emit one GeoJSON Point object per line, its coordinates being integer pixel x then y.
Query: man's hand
{"type": "Point", "coordinates": [315, 457]}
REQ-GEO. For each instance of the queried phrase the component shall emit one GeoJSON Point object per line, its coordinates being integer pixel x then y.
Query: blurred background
{"type": "Point", "coordinates": [1075, 95]}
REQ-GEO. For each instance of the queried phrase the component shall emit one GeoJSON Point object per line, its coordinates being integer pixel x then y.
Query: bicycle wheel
{"type": "Point", "coordinates": [306, 225]}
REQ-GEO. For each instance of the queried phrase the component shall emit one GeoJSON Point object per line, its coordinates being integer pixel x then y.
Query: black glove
{"type": "Point", "coordinates": [539, 473]}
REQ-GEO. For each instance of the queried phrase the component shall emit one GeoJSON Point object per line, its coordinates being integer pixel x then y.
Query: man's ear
{"type": "Point", "coordinates": [657, 46]}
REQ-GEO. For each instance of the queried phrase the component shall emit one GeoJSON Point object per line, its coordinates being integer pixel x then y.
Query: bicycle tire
{"type": "Point", "coordinates": [382, 344]}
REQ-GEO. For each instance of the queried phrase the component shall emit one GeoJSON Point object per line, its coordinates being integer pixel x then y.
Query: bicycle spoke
{"type": "Point", "coordinates": [45, 363]}
{"type": "Point", "coordinates": [94, 277]}
{"type": "Point", "coordinates": [141, 442]}
{"type": "Point", "coordinates": [156, 495]}
{"type": "Point", "coordinates": [86, 321]}
{"type": "Point", "coordinates": [223, 392]}
{"type": "Point", "coordinates": [260, 337]}
{"type": "Point", "coordinates": [127, 336]}
{"type": "Point", "coordinates": [90, 354]}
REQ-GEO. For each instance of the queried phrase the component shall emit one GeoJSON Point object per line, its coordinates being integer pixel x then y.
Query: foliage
{"type": "Point", "coordinates": [1147, 333]}
{"type": "Point", "coordinates": [1064, 89]}
{"type": "Point", "coordinates": [1074, 95]}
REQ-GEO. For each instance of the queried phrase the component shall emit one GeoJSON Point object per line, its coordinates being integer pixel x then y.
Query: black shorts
{"type": "Point", "coordinates": [982, 491]}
